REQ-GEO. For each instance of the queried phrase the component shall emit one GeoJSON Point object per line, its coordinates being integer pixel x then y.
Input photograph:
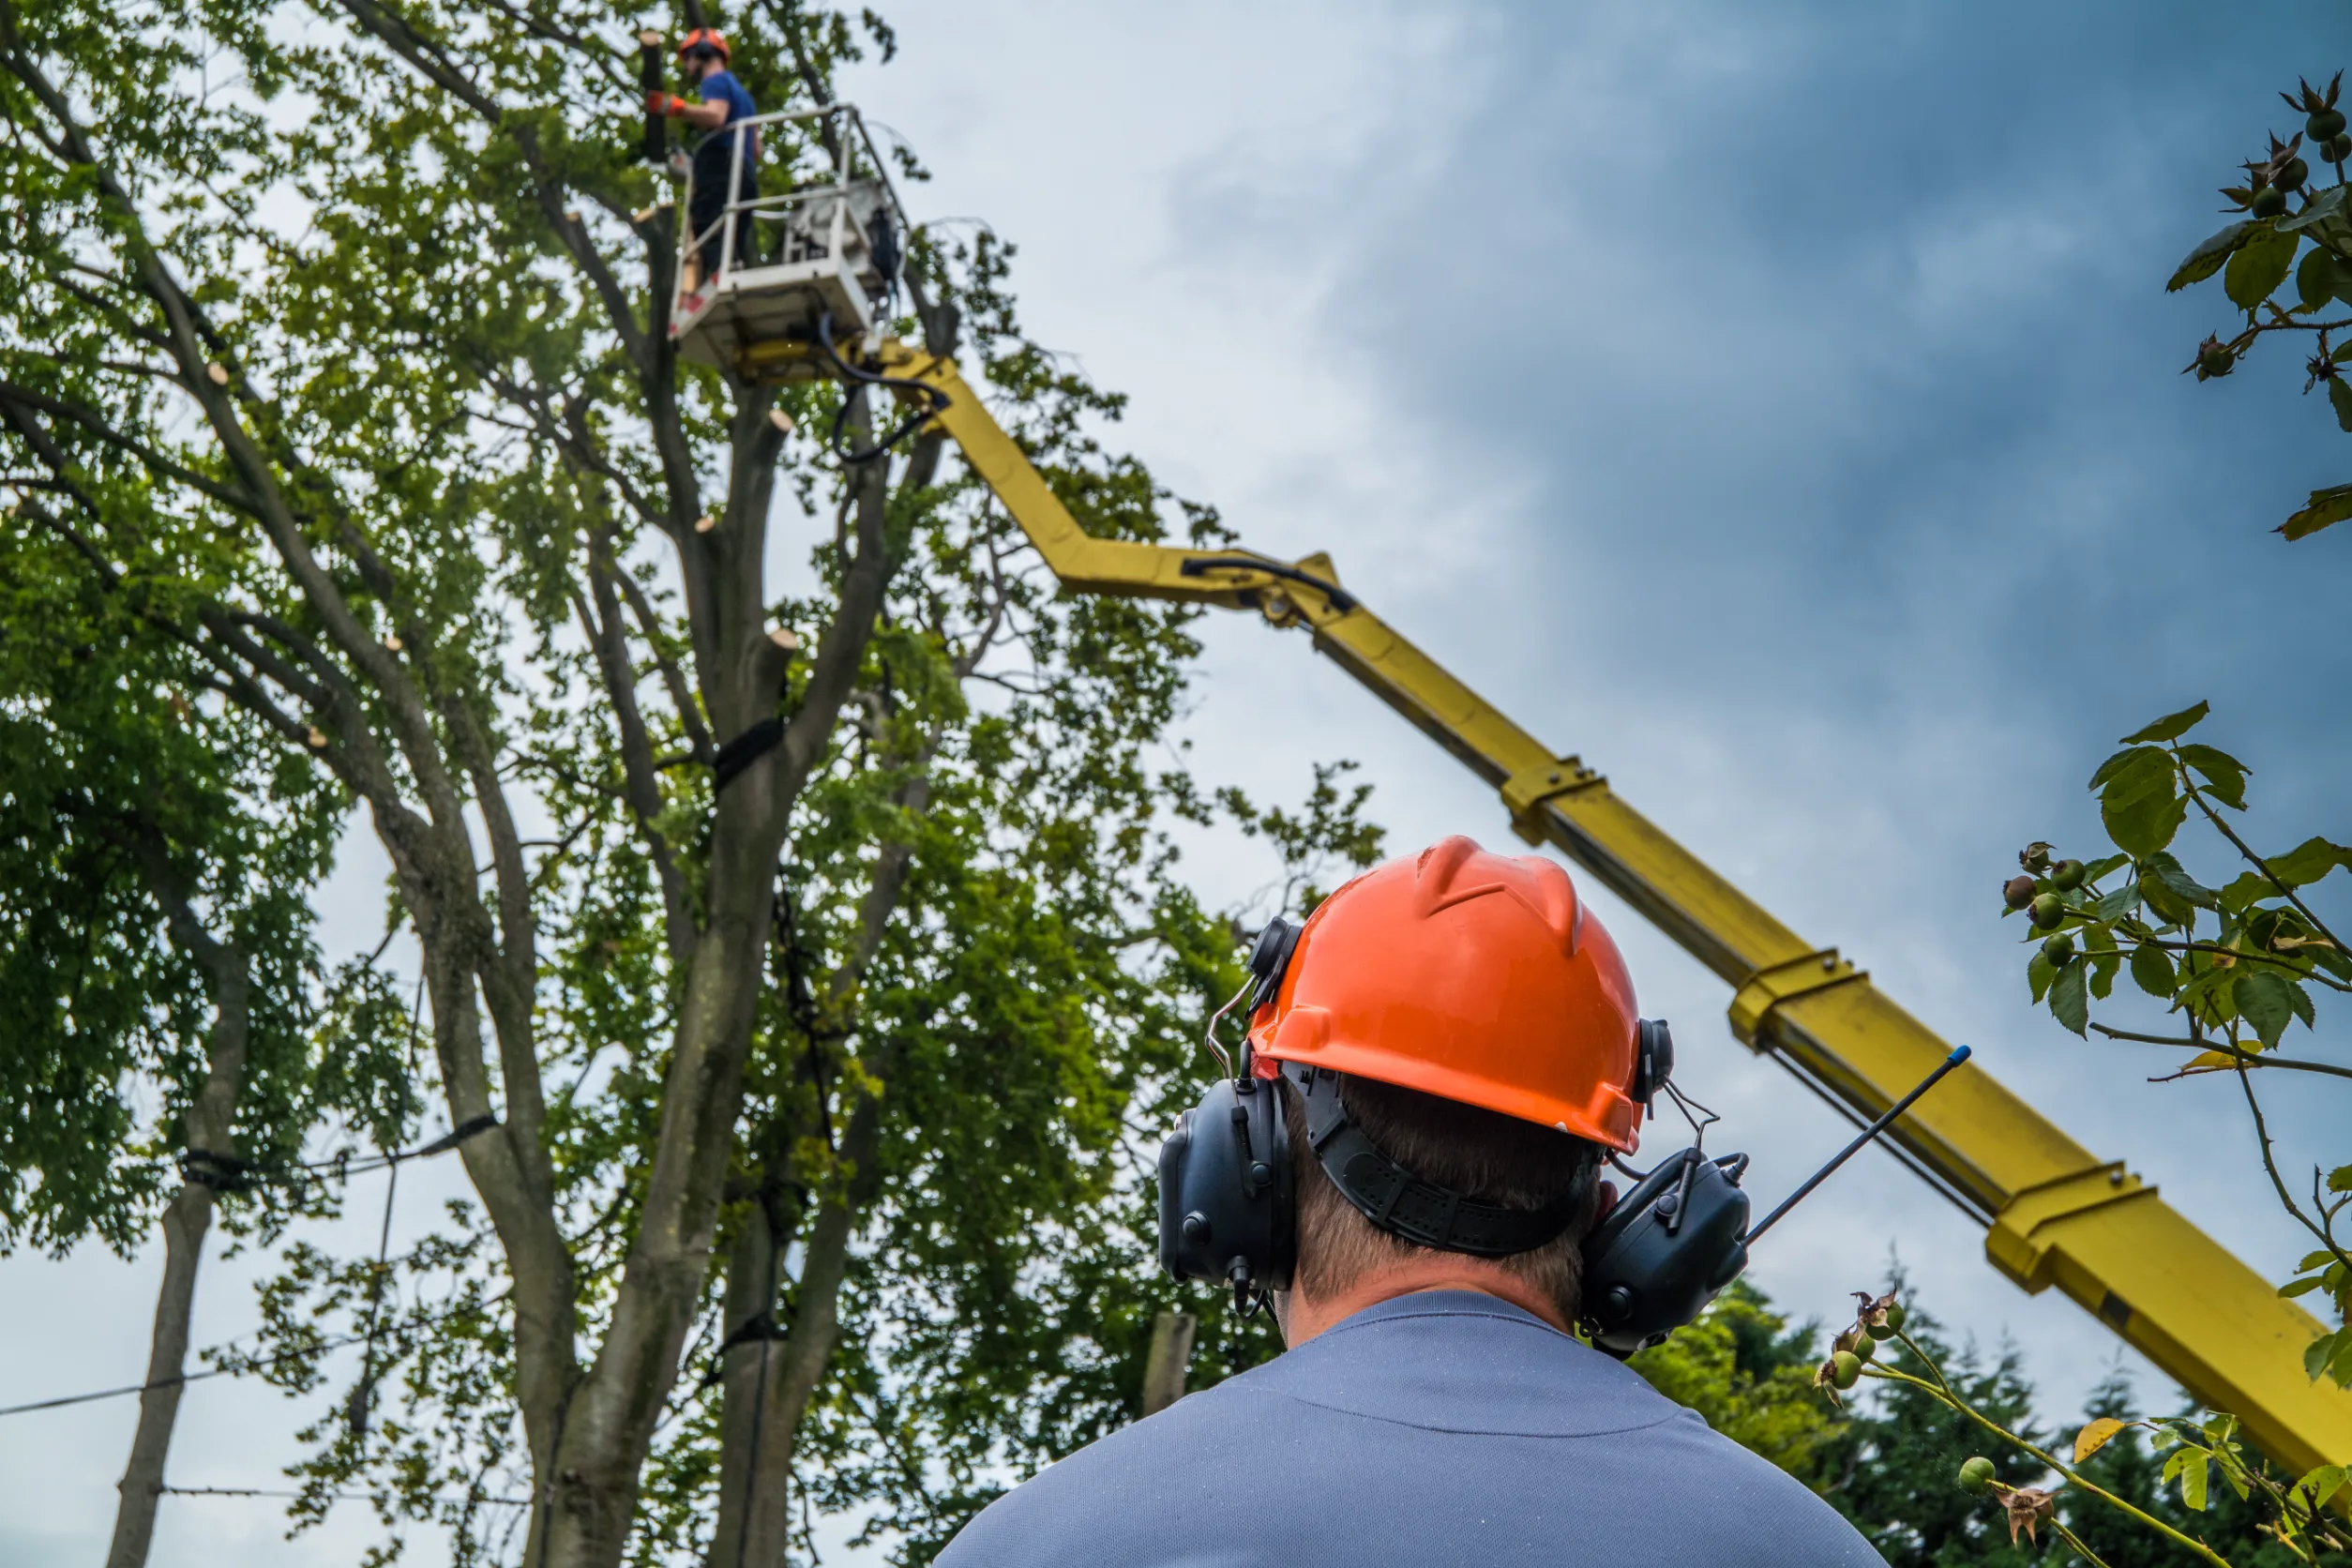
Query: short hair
{"type": "Point", "coordinates": [1478, 1153]}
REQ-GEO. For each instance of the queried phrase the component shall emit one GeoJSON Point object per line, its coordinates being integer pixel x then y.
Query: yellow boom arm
{"type": "Point", "coordinates": [2056, 1214]}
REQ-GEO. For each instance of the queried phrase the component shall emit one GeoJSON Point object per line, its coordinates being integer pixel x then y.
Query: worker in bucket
{"type": "Point", "coordinates": [1405, 1167]}
{"type": "Point", "coordinates": [702, 56]}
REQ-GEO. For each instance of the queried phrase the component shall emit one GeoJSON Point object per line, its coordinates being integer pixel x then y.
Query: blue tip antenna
{"type": "Point", "coordinates": [1959, 1054]}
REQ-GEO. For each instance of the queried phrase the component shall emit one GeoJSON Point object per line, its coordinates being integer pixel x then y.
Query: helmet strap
{"type": "Point", "coordinates": [1401, 1203]}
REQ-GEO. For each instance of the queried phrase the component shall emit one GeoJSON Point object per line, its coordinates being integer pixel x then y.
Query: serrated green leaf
{"type": "Point", "coordinates": [2261, 998]}
{"type": "Point", "coordinates": [2141, 803]}
{"type": "Point", "coordinates": [2317, 1485]}
{"type": "Point", "coordinates": [2308, 862]}
{"type": "Point", "coordinates": [2103, 866]}
{"type": "Point", "coordinates": [2170, 727]}
{"type": "Point", "coordinates": [2151, 970]}
{"type": "Point", "coordinates": [2316, 1355]}
{"type": "Point", "coordinates": [2316, 279]}
{"type": "Point", "coordinates": [2169, 906]}
{"type": "Point", "coordinates": [2326, 508]}
{"type": "Point", "coordinates": [2069, 1005]}
{"type": "Point", "coordinates": [2040, 971]}
{"type": "Point", "coordinates": [2340, 398]}
{"type": "Point", "coordinates": [2323, 207]}
{"type": "Point", "coordinates": [2259, 266]}
{"type": "Point", "coordinates": [2224, 776]}
{"type": "Point", "coordinates": [2302, 1287]}
{"type": "Point", "coordinates": [2209, 255]}
{"type": "Point", "coordinates": [2102, 973]}
{"type": "Point", "coordinates": [2176, 877]}
{"type": "Point", "coordinates": [2339, 1180]}
{"type": "Point", "coordinates": [2299, 999]}
{"type": "Point", "coordinates": [2244, 891]}
{"type": "Point", "coordinates": [2107, 769]}
{"type": "Point", "coordinates": [2188, 1466]}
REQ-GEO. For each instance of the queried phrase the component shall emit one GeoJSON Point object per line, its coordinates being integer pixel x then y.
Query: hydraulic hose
{"type": "Point", "coordinates": [936, 401]}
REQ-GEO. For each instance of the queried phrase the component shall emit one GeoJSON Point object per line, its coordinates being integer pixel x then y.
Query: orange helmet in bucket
{"type": "Point", "coordinates": [1474, 977]}
{"type": "Point", "coordinates": [703, 38]}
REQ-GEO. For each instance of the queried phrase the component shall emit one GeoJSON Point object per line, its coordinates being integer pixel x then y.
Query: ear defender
{"type": "Point", "coordinates": [1668, 1248]}
{"type": "Point", "coordinates": [1653, 1062]}
{"type": "Point", "coordinates": [1229, 1213]}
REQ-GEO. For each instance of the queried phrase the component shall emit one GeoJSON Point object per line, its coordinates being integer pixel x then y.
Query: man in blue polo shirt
{"type": "Point", "coordinates": [704, 59]}
{"type": "Point", "coordinates": [1433, 1408]}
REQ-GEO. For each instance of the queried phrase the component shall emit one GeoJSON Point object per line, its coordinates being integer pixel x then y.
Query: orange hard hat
{"type": "Point", "coordinates": [704, 38]}
{"type": "Point", "coordinates": [1472, 976]}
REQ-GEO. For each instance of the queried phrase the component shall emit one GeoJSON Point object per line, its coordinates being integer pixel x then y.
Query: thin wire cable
{"type": "Point", "coordinates": [184, 1377]}
{"type": "Point", "coordinates": [341, 1497]}
{"type": "Point", "coordinates": [1209, 1036]}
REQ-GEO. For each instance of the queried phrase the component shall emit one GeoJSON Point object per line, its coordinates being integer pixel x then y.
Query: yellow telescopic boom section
{"type": "Point", "coordinates": [2056, 1214]}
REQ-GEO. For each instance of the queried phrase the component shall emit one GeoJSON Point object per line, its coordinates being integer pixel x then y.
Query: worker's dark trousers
{"type": "Point", "coordinates": [709, 203]}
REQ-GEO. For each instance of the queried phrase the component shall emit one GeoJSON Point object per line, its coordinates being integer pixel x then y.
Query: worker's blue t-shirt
{"type": "Point", "coordinates": [721, 86]}
{"type": "Point", "coordinates": [1435, 1429]}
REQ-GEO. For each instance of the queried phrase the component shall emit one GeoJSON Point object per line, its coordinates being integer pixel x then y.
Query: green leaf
{"type": "Point", "coordinates": [2339, 1180]}
{"type": "Point", "coordinates": [2323, 207]}
{"type": "Point", "coordinates": [2068, 1002]}
{"type": "Point", "coordinates": [2108, 769]}
{"type": "Point", "coordinates": [2262, 1000]}
{"type": "Point", "coordinates": [2208, 258]}
{"type": "Point", "coordinates": [2316, 279]}
{"type": "Point", "coordinates": [2103, 973]}
{"type": "Point", "coordinates": [2224, 776]}
{"type": "Point", "coordinates": [2040, 971]}
{"type": "Point", "coordinates": [2170, 727]}
{"type": "Point", "coordinates": [2170, 907]}
{"type": "Point", "coordinates": [2142, 805]}
{"type": "Point", "coordinates": [2340, 398]}
{"type": "Point", "coordinates": [2300, 1001]}
{"type": "Point", "coordinates": [2246, 890]}
{"type": "Point", "coordinates": [2151, 970]}
{"type": "Point", "coordinates": [2177, 880]}
{"type": "Point", "coordinates": [2102, 865]}
{"type": "Point", "coordinates": [2327, 507]}
{"type": "Point", "coordinates": [2302, 1287]}
{"type": "Point", "coordinates": [2314, 1490]}
{"type": "Point", "coordinates": [2308, 861]}
{"type": "Point", "coordinates": [2189, 1465]}
{"type": "Point", "coordinates": [2260, 266]}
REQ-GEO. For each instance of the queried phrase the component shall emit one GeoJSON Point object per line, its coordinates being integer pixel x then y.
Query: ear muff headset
{"type": "Point", "coordinates": [1229, 1207]}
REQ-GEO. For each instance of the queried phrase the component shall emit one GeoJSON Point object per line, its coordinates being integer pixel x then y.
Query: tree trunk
{"type": "Point", "coordinates": [183, 1226]}
{"type": "Point", "coordinates": [1171, 1356]}
{"type": "Point", "coordinates": [750, 1409]}
{"type": "Point", "coordinates": [211, 1130]}
{"type": "Point", "coordinates": [796, 1365]}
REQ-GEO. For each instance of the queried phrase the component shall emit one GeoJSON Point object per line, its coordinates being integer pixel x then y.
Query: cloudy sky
{"type": "Point", "coordinates": [1775, 405]}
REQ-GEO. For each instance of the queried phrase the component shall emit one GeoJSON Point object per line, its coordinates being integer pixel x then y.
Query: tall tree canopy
{"type": "Point", "coordinates": [336, 364]}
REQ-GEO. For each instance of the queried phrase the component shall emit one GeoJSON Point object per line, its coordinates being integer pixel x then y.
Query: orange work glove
{"type": "Point", "coordinates": [664, 103]}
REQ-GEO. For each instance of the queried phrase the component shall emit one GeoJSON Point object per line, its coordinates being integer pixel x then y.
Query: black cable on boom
{"type": "Point", "coordinates": [937, 402]}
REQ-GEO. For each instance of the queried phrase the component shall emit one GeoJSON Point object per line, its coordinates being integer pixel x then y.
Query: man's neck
{"type": "Point", "coordinates": [1304, 1315]}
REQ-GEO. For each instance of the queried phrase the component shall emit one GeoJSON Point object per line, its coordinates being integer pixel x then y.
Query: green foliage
{"type": "Point", "coordinates": [1907, 1447]}
{"type": "Point", "coordinates": [1750, 1373]}
{"type": "Point", "coordinates": [2238, 966]}
{"type": "Point", "coordinates": [140, 816]}
{"type": "Point", "coordinates": [2256, 255]}
{"type": "Point", "coordinates": [418, 499]}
